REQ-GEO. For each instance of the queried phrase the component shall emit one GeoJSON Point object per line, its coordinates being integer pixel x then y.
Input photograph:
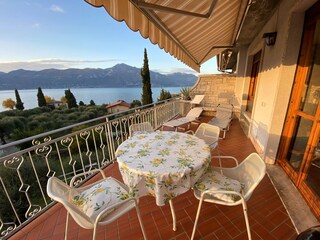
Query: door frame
{"type": "Point", "coordinates": [298, 176]}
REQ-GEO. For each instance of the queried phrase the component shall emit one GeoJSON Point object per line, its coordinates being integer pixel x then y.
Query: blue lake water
{"type": "Point", "coordinates": [98, 95]}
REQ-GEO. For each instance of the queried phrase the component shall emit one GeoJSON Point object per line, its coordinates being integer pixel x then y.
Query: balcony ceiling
{"type": "Point", "coordinates": [193, 31]}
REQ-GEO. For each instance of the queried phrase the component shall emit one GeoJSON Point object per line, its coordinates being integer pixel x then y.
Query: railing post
{"type": "Point", "coordinates": [155, 114]}
{"type": "Point", "coordinates": [110, 137]}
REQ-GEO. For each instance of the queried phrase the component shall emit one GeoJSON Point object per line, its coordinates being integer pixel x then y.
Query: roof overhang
{"type": "Point", "coordinates": [193, 31]}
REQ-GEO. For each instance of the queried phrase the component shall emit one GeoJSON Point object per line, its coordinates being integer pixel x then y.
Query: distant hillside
{"type": "Point", "coordinates": [120, 75]}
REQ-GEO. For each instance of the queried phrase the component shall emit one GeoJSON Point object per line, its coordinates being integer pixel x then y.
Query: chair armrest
{"type": "Point", "coordinates": [227, 157]}
{"type": "Point", "coordinates": [189, 131]}
{"type": "Point", "coordinates": [213, 143]}
{"type": "Point", "coordinates": [85, 173]}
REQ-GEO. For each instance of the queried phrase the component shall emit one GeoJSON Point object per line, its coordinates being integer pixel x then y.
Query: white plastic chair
{"type": "Point", "coordinates": [138, 128]}
{"type": "Point", "coordinates": [247, 175]}
{"type": "Point", "coordinates": [209, 133]}
{"type": "Point", "coordinates": [93, 205]}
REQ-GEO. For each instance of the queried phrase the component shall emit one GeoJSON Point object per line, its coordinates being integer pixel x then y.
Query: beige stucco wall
{"type": "Point", "coordinates": [217, 88]}
{"type": "Point", "coordinates": [116, 109]}
{"type": "Point", "coordinates": [277, 70]}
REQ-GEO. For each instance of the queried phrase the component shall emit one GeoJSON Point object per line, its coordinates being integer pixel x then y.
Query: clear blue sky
{"type": "Point", "coordinates": [40, 34]}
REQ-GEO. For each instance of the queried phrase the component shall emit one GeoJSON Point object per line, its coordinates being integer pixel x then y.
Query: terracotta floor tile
{"type": "Point", "coordinates": [268, 217]}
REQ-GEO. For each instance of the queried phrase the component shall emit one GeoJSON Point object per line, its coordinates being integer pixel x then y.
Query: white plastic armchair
{"type": "Point", "coordinates": [138, 128]}
{"type": "Point", "coordinates": [234, 187]}
{"type": "Point", "coordinates": [110, 195]}
{"type": "Point", "coordinates": [209, 133]}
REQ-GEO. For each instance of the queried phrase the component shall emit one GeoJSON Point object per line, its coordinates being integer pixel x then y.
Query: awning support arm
{"type": "Point", "coordinates": [144, 5]}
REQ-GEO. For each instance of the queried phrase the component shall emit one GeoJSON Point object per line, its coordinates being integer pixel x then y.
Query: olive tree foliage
{"type": "Point", "coordinates": [8, 103]}
{"type": "Point", "coordinates": [41, 99]}
{"type": "Point", "coordinates": [19, 103]}
{"type": "Point", "coordinates": [16, 125]}
{"type": "Point", "coordinates": [135, 103]}
{"type": "Point", "coordinates": [146, 97]}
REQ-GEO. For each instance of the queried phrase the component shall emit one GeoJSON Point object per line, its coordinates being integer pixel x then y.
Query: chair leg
{"type": "Point", "coordinates": [67, 223]}
{"type": "Point", "coordinates": [95, 231]}
{"type": "Point", "coordinates": [173, 213]}
{"type": "Point", "coordinates": [197, 218]}
{"type": "Point", "coordinates": [245, 213]}
{"type": "Point", "coordinates": [140, 221]}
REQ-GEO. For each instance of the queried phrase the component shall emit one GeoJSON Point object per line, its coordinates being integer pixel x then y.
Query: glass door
{"type": "Point", "coordinates": [299, 152]}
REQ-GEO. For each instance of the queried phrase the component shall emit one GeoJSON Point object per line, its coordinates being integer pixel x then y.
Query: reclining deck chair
{"type": "Point", "coordinates": [223, 118]}
{"type": "Point", "coordinates": [197, 100]}
{"type": "Point", "coordinates": [192, 116]}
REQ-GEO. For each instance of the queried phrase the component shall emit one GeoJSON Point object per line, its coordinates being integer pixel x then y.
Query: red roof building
{"type": "Point", "coordinates": [118, 106]}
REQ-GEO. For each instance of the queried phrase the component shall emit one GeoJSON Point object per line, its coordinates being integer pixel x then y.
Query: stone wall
{"type": "Point", "coordinates": [217, 88]}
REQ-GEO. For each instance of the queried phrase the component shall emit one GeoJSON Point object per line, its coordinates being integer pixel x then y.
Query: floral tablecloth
{"type": "Point", "coordinates": [162, 164]}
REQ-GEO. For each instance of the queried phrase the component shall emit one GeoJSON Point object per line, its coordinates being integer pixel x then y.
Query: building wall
{"type": "Point", "coordinates": [217, 88]}
{"type": "Point", "coordinates": [116, 109]}
{"type": "Point", "coordinates": [276, 76]}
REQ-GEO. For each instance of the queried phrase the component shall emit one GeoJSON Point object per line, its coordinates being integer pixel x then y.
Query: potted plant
{"type": "Point", "coordinates": [185, 93]}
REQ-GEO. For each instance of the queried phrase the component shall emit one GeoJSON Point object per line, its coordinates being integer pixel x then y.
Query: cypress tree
{"type": "Point", "coordinates": [71, 100]}
{"type": "Point", "coordinates": [146, 97]}
{"type": "Point", "coordinates": [19, 103]}
{"type": "Point", "coordinates": [41, 99]}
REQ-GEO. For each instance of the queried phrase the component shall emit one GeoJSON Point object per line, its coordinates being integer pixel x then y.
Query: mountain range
{"type": "Point", "coordinates": [120, 76]}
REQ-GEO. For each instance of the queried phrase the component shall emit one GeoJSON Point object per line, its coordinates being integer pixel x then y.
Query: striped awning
{"type": "Point", "coordinates": [193, 31]}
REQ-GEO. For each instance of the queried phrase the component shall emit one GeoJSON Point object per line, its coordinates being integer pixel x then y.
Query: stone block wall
{"type": "Point", "coordinates": [217, 88]}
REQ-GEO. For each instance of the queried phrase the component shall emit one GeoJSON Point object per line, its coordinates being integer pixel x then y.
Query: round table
{"type": "Point", "coordinates": [162, 164]}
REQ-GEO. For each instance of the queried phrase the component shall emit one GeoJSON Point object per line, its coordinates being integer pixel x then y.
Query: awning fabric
{"type": "Point", "coordinates": [193, 31]}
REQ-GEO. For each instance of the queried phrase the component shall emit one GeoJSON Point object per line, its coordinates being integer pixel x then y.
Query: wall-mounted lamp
{"type": "Point", "coordinates": [270, 38]}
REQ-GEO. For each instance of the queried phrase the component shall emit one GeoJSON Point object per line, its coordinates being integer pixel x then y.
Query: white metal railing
{"type": "Point", "coordinates": [63, 153]}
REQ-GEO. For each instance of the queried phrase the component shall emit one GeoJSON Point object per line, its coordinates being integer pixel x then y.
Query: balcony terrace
{"type": "Point", "coordinates": [268, 216]}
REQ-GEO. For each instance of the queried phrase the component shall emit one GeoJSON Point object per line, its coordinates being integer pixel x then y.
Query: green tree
{"type": "Point", "coordinates": [8, 103]}
{"type": "Point", "coordinates": [81, 103]}
{"type": "Point", "coordinates": [164, 94]}
{"type": "Point", "coordinates": [41, 98]}
{"type": "Point", "coordinates": [92, 103]}
{"type": "Point", "coordinates": [71, 100]}
{"type": "Point", "coordinates": [19, 103]}
{"type": "Point", "coordinates": [146, 97]}
{"type": "Point", "coordinates": [135, 103]}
